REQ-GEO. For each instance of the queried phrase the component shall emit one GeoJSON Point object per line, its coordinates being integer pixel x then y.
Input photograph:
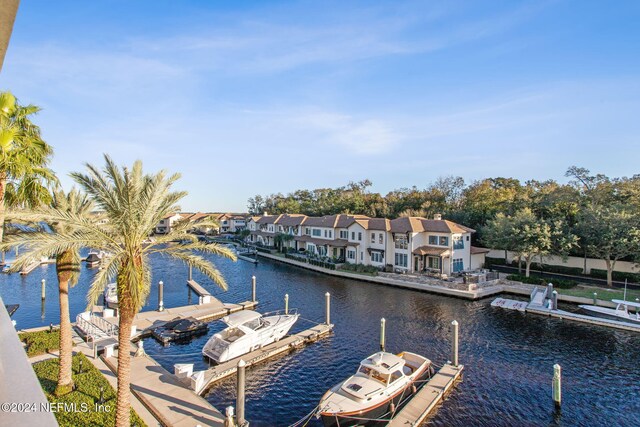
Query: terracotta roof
{"type": "Point", "coordinates": [345, 221]}
{"type": "Point", "coordinates": [289, 220]}
{"type": "Point", "coordinates": [431, 250]}
{"type": "Point", "coordinates": [321, 221]}
{"type": "Point", "coordinates": [407, 224]}
{"type": "Point", "coordinates": [261, 233]}
{"type": "Point", "coordinates": [338, 243]}
{"type": "Point", "coordinates": [170, 215]}
{"type": "Point", "coordinates": [268, 219]}
{"type": "Point", "coordinates": [476, 250]}
{"type": "Point", "coordinates": [379, 224]}
{"type": "Point", "coordinates": [417, 224]}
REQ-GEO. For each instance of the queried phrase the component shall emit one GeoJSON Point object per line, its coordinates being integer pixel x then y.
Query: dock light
{"type": "Point", "coordinates": [101, 395]}
{"type": "Point", "coordinates": [80, 367]}
{"type": "Point", "coordinates": [50, 327]}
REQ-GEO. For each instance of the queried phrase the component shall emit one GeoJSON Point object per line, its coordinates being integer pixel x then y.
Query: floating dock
{"type": "Point", "coordinates": [540, 304]}
{"type": "Point", "coordinates": [247, 257]}
{"type": "Point", "coordinates": [423, 403]}
{"type": "Point", "coordinates": [285, 345]}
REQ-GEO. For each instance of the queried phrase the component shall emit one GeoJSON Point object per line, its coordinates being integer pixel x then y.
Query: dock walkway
{"type": "Point", "coordinates": [421, 405]}
{"type": "Point", "coordinates": [165, 396]}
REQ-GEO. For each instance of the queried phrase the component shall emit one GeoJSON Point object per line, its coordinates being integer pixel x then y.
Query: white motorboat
{"type": "Point", "coordinates": [111, 294]}
{"type": "Point", "coordinates": [621, 312]}
{"type": "Point", "coordinates": [247, 331]}
{"type": "Point", "coordinates": [383, 382]}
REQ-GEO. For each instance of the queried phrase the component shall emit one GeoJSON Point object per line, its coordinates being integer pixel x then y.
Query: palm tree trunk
{"type": "Point", "coordinates": [3, 189]}
{"type": "Point", "coordinates": [123, 405]}
{"type": "Point", "coordinates": [65, 378]}
{"type": "Point", "coordinates": [65, 270]}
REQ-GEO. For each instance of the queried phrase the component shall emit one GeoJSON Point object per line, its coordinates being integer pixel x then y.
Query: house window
{"type": "Point", "coordinates": [316, 232]}
{"type": "Point", "coordinates": [380, 239]}
{"type": "Point", "coordinates": [434, 262]}
{"type": "Point", "coordinates": [433, 240]}
{"type": "Point", "coordinates": [311, 248]}
{"type": "Point", "coordinates": [351, 254]}
{"type": "Point", "coordinates": [307, 231]}
{"type": "Point", "coordinates": [326, 234]}
{"type": "Point", "coordinates": [467, 238]}
{"type": "Point", "coordinates": [458, 242]}
{"type": "Point", "coordinates": [331, 234]}
{"type": "Point", "coordinates": [458, 265]}
{"type": "Point", "coordinates": [376, 256]}
{"type": "Point", "coordinates": [353, 235]}
{"type": "Point", "coordinates": [373, 237]}
{"type": "Point", "coordinates": [322, 250]}
{"type": "Point", "coordinates": [344, 234]}
{"type": "Point", "coordinates": [361, 256]}
{"type": "Point", "coordinates": [359, 236]}
{"type": "Point", "coordinates": [401, 260]}
{"type": "Point", "coordinates": [401, 242]}
{"type": "Point", "coordinates": [444, 241]}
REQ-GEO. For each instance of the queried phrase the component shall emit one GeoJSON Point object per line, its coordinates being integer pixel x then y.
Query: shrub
{"type": "Point", "coordinates": [574, 271]}
{"type": "Point", "coordinates": [535, 279]}
{"type": "Point", "coordinates": [494, 261]}
{"type": "Point", "coordinates": [618, 276]}
{"type": "Point", "coordinates": [360, 268]}
{"type": "Point", "coordinates": [85, 395]}
{"type": "Point", "coordinates": [41, 342]}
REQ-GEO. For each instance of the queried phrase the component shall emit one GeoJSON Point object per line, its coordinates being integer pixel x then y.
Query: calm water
{"type": "Point", "coordinates": [508, 356]}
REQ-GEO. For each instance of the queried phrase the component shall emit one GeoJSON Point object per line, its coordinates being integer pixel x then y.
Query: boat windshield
{"type": "Point", "coordinates": [256, 324]}
{"type": "Point", "coordinates": [372, 373]}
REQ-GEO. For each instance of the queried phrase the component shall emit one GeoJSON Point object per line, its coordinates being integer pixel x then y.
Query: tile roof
{"type": "Point", "coordinates": [289, 220]}
{"type": "Point", "coordinates": [417, 224]}
{"type": "Point", "coordinates": [339, 243]}
{"type": "Point", "coordinates": [431, 250]}
{"type": "Point", "coordinates": [476, 250]}
{"type": "Point", "coordinates": [268, 219]}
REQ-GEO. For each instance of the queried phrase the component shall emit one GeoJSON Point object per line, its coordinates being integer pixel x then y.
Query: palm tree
{"type": "Point", "coordinates": [24, 157]}
{"type": "Point", "coordinates": [132, 203]}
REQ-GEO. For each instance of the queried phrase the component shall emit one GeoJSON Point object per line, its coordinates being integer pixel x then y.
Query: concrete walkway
{"type": "Point", "coordinates": [168, 400]}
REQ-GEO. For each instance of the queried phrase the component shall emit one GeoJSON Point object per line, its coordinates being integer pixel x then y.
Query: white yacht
{"type": "Point", "coordinates": [621, 312]}
{"type": "Point", "coordinates": [247, 331]}
{"type": "Point", "coordinates": [111, 294]}
{"type": "Point", "coordinates": [383, 381]}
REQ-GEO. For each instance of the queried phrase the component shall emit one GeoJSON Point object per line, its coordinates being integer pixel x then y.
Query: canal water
{"type": "Point", "coordinates": [508, 356]}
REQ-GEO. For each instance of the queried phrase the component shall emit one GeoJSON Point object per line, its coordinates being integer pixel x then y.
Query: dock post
{"type": "Point", "coordinates": [549, 290]}
{"type": "Point", "coordinates": [286, 303]}
{"type": "Point", "coordinates": [160, 295]}
{"type": "Point", "coordinates": [190, 273]}
{"type": "Point", "coordinates": [240, 393]}
{"type": "Point", "coordinates": [595, 298]}
{"type": "Point", "coordinates": [382, 328]}
{"type": "Point", "coordinates": [253, 288]}
{"type": "Point", "coordinates": [327, 298]}
{"type": "Point", "coordinates": [557, 385]}
{"type": "Point", "coordinates": [454, 344]}
{"type": "Point", "coordinates": [554, 300]}
{"type": "Point", "coordinates": [44, 294]}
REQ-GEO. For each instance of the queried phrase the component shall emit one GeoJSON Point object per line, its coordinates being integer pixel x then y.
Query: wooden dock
{"type": "Point", "coordinates": [424, 402]}
{"type": "Point", "coordinates": [285, 345]}
{"type": "Point", "coordinates": [248, 258]}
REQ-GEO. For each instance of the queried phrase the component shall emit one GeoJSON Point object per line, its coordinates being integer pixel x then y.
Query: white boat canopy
{"type": "Point", "coordinates": [241, 317]}
{"type": "Point", "coordinates": [627, 303]}
{"type": "Point", "coordinates": [384, 362]}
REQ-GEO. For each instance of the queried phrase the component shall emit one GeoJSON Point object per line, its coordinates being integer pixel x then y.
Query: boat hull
{"type": "Point", "coordinates": [609, 314]}
{"type": "Point", "coordinates": [379, 415]}
{"type": "Point", "coordinates": [249, 344]}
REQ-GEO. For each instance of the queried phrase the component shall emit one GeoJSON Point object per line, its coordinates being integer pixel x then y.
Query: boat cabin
{"type": "Point", "coordinates": [622, 308]}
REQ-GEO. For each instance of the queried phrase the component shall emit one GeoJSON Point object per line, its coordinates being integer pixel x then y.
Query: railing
{"type": "Point", "coordinates": [96, 327]}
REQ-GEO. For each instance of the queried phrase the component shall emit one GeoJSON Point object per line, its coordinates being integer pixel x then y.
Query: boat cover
{"type": "Point", "coordinates": [241, 317]}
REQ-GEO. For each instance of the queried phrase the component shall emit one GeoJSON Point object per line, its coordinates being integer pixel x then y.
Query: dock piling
{"type": "Point", "coordinates": [253, 288]}
{"type": "Point", "coordinates": [554, 300]}
{"type": "Point", "coordinates": [190, 273]}
{"type": "Point", "coordinates": [557, 385]}
{"type": "Point", "coordinates": [549, 290]}
{"type": "Point", "coordinates": [43, 289]}
{"type": "Point", "coordinates": [240, 393]}
{"type": "Point", "coordinates": [382, 331]}
{"type": "Point", "coordinates": [327, 298]}
{"type": "Point", "coordinates": [286, 303]}
{"type": "Point", "coordinates": [160, 295]}
{"type": "Point", "coordinates": [595, 298]}
{"type": "Point", "coordinates": [454, 344]}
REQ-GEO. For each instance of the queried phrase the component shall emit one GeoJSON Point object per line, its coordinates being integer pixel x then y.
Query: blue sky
{"type": "Point", "coordinates": [248, 98]}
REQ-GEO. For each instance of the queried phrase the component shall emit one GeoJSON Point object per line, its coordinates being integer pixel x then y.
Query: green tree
{"type": "Point", "coordinates": [529, 236]}
{"type": "Point", "coordinates": [610, 234]}
{"type": "Point", "coordinates": [24, 157]}
{"type": "Point", "coordinates": [133, 203]}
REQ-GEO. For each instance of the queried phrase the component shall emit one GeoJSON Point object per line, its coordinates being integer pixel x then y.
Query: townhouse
{"type": "Point", "coordinates": [406, 244]}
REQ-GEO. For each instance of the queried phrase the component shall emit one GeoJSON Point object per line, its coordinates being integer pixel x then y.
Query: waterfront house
{"type": "Point", "coordinates": [165, 224]}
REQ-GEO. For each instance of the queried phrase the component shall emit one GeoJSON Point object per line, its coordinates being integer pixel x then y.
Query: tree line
{"type": "Point", "coordinates": [591, 215]}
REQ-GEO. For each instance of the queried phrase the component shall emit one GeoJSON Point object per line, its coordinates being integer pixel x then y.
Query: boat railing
{"type": "Point", "coordinates": [291, 311]}
{"type": "Point", "coordinates": [96, 327]}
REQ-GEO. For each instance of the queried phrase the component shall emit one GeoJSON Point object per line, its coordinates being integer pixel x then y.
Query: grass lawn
{"type": "Point", "coordinates": [40, 342]}
{"type": "Point", "coordinates": [603, 293]}
{"type": "Point", "coordinates": [81, 403]}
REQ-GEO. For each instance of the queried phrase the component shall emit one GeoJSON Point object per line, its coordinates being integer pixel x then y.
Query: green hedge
{"type": "Point", "coordinates": [539, 280]}
{"type": "Point", "coordinates": [494, 261]}
{"type": "Point", "coordinates": [617, 275]}
{"type": "Point", "coordinates": [85, 396]}
{"type": "Point", "coordinates": [360, 268]}
{"type": "Point", "coordinates": [40, 342]}
{"type": "Point", "coordinates": [575, 271]}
